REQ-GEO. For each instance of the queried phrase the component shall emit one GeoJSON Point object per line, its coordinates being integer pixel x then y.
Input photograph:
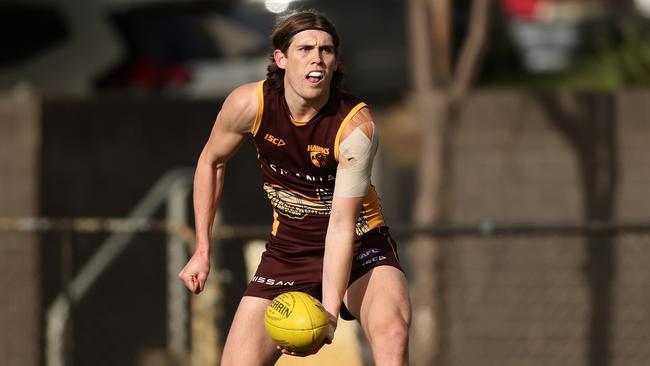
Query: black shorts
{"type": "Point", "coordinates": [278, 272]}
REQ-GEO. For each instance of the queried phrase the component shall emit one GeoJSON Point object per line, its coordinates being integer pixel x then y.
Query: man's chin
{"type": "Point", "coordinates": [316, 91]}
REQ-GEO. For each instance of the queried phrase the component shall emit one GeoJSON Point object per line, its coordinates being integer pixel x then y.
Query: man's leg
{"type": "Point", "coordinates": [247, 343]}
{"type": "Point", "coordinates": [380, 301]}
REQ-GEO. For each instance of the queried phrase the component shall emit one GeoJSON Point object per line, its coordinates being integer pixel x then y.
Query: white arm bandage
{"type": "Point", "coordinates": [353, 179]}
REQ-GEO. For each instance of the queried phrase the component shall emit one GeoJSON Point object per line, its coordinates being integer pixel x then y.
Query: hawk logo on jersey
{"type": "Point", "coordinates": [318, 154]}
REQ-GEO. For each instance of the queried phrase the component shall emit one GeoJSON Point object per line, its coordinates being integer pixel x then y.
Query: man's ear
{"type": "Point", "coordinates": [280, 59]}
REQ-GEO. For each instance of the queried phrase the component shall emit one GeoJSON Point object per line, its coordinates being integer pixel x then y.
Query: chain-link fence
{"type": "Point", "coordinates": [511, 294]}
{"type": "Point", "coordinates": [546, 295]}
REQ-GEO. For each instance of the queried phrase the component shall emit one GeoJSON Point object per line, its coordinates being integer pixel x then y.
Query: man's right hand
{"type": "Point", "coordinates": [195, 272]}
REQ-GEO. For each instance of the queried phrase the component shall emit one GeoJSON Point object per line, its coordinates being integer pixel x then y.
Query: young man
{"type": "Point", "coordinates": [315, 146]}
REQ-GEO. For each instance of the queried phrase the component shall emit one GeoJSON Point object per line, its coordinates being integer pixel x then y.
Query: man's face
{"type": "Point", "coordinates": [309, 64]}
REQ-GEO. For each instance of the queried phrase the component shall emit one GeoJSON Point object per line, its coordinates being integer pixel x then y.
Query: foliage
{"type": "Point", "coordinates": [614, 60]}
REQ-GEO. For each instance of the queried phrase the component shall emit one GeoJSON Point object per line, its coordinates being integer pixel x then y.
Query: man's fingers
{"type": "Point", "coordinates": [202, 278]}
{"type": "Point", "coordinates": [195, 273]}
{"type": "Point", "coordinates": [196, 284]}
{"type": "Point", "coordinates": [189, 281]}
{"type": "Point", "coordinates": [302, 354]}
{"type": "Point", "coordinates": [199, 281]}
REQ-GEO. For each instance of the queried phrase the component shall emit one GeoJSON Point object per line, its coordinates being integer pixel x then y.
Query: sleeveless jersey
{"type": "Point", "coordinates": [299, 161]}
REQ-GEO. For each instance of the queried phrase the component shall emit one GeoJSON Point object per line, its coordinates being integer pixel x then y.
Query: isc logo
{"type": "Point", "coordinates": [274, 140]}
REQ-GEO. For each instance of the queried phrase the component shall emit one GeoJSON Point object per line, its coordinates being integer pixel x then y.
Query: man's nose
{"type": "Point", "coordinates": [317, 56]}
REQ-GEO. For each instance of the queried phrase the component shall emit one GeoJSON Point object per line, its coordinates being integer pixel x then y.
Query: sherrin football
{"type": "Point", "coordinates": [296, 321]}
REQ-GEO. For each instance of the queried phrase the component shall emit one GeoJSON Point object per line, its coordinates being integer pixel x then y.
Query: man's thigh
{"type": "Point", "coordinates": [381, 294]}
{"type": "Point", "coordinates": [248, 343]}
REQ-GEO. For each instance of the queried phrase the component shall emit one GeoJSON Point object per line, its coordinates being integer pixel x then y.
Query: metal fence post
{"type": "Point", "coordinates": [177, 295]}
{"type": "Point", "coordinates": [58, 314]}
{"type": "Point", "coordinates": [57, 321]}
{"type": "Point", "coordinates": [207, 311]}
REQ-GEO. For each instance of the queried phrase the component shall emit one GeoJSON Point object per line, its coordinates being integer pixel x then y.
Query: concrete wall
{"type": "Point", "coordinates": [20, 316]}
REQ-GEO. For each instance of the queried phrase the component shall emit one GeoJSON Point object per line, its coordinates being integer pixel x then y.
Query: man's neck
{"type": "Point", "coordinates": [303, 110]}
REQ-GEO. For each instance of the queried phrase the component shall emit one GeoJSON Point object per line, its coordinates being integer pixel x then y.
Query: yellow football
{"type": "Point", "coordinates": [296, 321]}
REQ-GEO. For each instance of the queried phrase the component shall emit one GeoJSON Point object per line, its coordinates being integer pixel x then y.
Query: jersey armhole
{"type": "Point", "coordinates": [342, 127]}
{"type": "Point", "coordinates": [260, 107]}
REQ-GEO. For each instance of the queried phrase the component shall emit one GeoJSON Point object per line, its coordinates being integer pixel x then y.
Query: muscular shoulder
{"type": "Point", "coordinates": [362, 120]}
{"type": "Point", "coordinates": [357, 149]}
{"type": "Point", "coordinates": [358, 138]}
{"type": "Point", "coordinates": [240, 108]}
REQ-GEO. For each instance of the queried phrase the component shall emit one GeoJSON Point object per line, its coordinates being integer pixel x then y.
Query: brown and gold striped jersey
{"type": "Point", "coordinates": [299, 161]}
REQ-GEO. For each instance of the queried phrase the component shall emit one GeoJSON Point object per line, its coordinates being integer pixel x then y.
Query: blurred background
{"type": "Point", "coordinates": [513, 170]}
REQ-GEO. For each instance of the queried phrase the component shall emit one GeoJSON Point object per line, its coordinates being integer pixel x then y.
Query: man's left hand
{"type": "Point", "coordinates": [328, 340]}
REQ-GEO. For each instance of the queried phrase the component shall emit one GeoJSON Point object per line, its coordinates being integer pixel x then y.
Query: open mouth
{"type": "Point", "coordinates": [315, 76]}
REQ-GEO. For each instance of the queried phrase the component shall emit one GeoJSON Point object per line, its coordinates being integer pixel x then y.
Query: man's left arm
{"type": "Point", "coordinates": [357, 148]}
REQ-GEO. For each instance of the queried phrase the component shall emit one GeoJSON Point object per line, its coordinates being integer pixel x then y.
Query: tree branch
{"type": "Point", "coordinates": [473, 49]}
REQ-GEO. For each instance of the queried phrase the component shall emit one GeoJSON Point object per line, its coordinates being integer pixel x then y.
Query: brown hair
{"type": "Point", "coordinates": [282, 37]}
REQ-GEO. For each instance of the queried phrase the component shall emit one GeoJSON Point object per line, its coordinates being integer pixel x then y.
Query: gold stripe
{"type": "Point", "coordinates": [260, 107]}
{"type": "Point", "coordinates": [297, 123]}
{"type": "Point", "coordinates": [374, 221]}
{"type": "Point", "coordinates": [276, 223]}
{"type": "Point", "coordinates": [372, 209]}
{"type": "Point", "coordinates": [343, 124]}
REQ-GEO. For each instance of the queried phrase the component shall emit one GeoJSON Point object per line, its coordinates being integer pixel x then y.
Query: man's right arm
{"type": "Point", "coordinates": [233, 122]}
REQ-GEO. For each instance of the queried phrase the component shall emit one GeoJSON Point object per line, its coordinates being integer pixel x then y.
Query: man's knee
{"type": "Point", "coordinates": [393, 331]}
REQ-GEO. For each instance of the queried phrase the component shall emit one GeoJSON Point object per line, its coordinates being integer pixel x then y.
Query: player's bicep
{"type": "Point", "coordinates": [232, 124]}
{"type": "Point", "coordinates": [357, 152]}
{"type": "Point", "coordinates": [222, 143]}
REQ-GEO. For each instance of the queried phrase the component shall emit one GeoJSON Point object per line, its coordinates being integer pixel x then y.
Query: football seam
{"type": "Point", "coordinates": [290, 329]}
{"type": "Point", "coordinates": [306, 307]}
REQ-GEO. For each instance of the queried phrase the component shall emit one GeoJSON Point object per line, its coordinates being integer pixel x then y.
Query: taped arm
{"type": "Point", "coordinates": [357, 150]}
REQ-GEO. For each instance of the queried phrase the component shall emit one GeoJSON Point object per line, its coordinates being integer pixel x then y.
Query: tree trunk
{"type": "Point", "coordinates": [437, 96]}
{"type": "Point", "coordinates": [589, 124]}
{"type": "Point", "coordinates": [424, 251]}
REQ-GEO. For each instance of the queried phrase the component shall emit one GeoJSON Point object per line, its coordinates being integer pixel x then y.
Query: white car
{"type": "Point", "coordinates": [180, 47]}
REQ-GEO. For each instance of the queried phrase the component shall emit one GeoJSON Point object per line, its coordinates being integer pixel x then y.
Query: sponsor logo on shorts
{"type": "Point", "coordinates": [272, 281]}
{"type": "Point", "coordinates": [378, 258]}
{"type": "Point", "coordinates": [368, 253]}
